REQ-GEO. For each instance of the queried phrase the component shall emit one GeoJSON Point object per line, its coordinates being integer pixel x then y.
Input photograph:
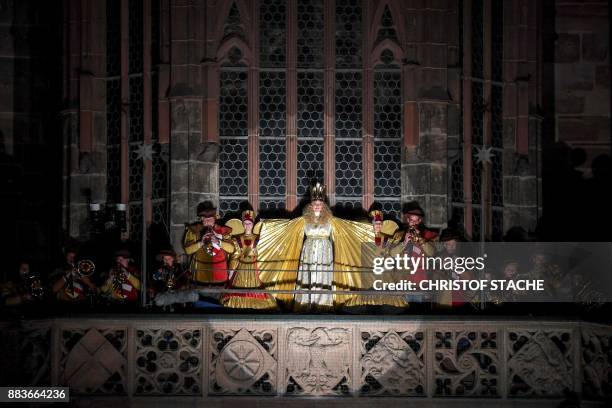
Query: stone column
{"type": "Point", "coordinates": [522, 125]}
{"type": "Point", "coordinates": [84, 124]}
{"type": "Point", "coordinates": [194, 168]}
{"type": "Point", "coordinates": [424, 164]}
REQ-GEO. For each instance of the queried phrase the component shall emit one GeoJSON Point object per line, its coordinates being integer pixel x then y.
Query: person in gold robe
{"type": "Point", "coordinates": [314, 253]}
{"type": "Point", "coordinates": [383, 247]}
{"type": "Point", "coordinates": [243, 264]}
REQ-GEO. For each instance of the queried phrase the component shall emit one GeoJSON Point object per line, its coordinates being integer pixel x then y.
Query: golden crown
{"type": "Point", "coordinates": [317, 192]}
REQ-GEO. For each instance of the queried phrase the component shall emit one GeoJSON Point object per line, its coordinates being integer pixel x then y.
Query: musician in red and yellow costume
{"type": "Point", "coordinates": [122, 284]}
{"type": "Point", "coordinates": [208, 244]}
{"type": "Point", "coordinates": [415, 240]}
{"type": "Point", "coordinates": [384, 246]}
{"type": "Point", "coordinates": [243, 264]}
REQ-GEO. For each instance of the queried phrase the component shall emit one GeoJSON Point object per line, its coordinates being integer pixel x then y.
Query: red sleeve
{"type": "Point", "coordinates": [222, 230]}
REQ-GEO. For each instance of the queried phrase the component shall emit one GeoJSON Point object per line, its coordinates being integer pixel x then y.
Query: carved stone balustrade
{"type": "Point", "coordinates": [409, 357]}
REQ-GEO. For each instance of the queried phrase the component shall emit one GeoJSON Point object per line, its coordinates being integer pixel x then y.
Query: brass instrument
{"type": "Point", "coordinates": [35, 286]}
{"type": "Point", "coordinates": [208, 244]}
{"type": "Point", "coordinates": [85, 267]}
{"type": "Point", "coordinates": [170, 279]}
{"type": "Point", "coordinates": [416, 235]}
{"type": "Point", "coordinates": [119, 277]}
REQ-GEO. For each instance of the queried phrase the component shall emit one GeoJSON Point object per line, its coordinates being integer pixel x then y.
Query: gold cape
{"type": "Point", "coordinates": [280, 245]}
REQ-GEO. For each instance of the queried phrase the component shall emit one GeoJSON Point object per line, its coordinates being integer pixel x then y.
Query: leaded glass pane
{"type": "Point", "coordinates": [272, 159]}
{"type": "Point", "coordinates": [349, 175]}
{"type": "Point", "coordinates": [272, 33]}
{"type": "Point", "coordinates": [477, 38]}
{"type": "Point", "coordinates": [388, 104]}
{"type": "Point", "coordinates": [310, 30]}
{"type": "Point", "coordinates": [387, 169]}
{"type": "Point", "coordinates": [135, 172]}
{"type": "Point", "coordinates": [348, 104]}
{"type": "Point", "coordinates": [310, 104]}
{"type": "Point", "coordinates": [136, 107]}
{"type": "Point", "coordinates": [497, 40]}
{"type": "Point", "coordinates": [135, 36]}
{"type": "Point", "coordinates": [310, 164]}
{"type": "Point", "coordinates": [233, 106]}
{"type": "Point", "coordinates": [348, 33]}
{"type": "Point", "coordinates": [113, 38]}
{"type": "Point", "coordinates": [272, 108]}
{"type": "Point", "coordinates": [233, 167]}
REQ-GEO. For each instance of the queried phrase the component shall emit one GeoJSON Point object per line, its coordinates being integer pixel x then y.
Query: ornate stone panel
{"type": "Point", "coordinates": [392, 363]}
{"type": "Point", "coordinates": [243, 362]}
{"type": "Point", "coordinates": [596, 359]}
{"type": "Point", "coordinates": [93, 361]}
{"type": "Point", "coordinates": [168, 361]}
{"type": "Point", "coordinates": [466, 363]}
{"type": "Point", "coordinates": [539, 363]}
{"type": "Point", "coordinates": [34, 355]}
{"type": "Point", "coordinates": [318, 361]}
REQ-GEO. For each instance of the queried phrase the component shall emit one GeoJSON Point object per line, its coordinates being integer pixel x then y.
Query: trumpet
{"type": "Point", "coordinates": [85, 267]}
{"type": "Point", "coordinates": [415, 233]}
{"type": "Point", "coordinates": [208, 244]}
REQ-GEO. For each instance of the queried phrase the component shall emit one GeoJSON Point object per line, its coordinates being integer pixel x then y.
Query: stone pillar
{"type": "Point", "coordinates": [194, 160]}
{"type": "Point", "coordinates": [84, 126]}
{"type": "Point", "coordinates": [454, 123]}
{"type": "Point", "coordinates": [522, 125]}
{"type": "Point", "coordinates": [424, 163]}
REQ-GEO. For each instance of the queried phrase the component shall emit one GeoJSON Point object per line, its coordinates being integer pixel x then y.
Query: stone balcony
{"type": "Point", "coordinates": [193, 360]}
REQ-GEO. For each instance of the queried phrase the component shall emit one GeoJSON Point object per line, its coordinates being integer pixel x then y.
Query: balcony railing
{"type": "Point", "coordinates": [409, 357]}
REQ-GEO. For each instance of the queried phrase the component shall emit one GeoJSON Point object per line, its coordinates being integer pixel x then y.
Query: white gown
{"type": "Point", "coordinates": [316, 266]}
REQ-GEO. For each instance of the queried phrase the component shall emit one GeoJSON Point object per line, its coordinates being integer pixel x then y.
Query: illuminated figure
{"type": "Point", "coordinates": [243, 264]}
{"type": "Point", "coordinates": [314, 252]}
{"type": "Point", "coordinates": [384, 247]}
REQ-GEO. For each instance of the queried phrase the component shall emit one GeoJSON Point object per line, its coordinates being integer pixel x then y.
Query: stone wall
{"type": "Point", "coordinates": [582, 75]}
{"type": "Point", "coordinates": [30, 140]}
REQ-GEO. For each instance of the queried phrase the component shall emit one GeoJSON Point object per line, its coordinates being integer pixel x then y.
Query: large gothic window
{"type": "Point", "coordinates": [297, 85]}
